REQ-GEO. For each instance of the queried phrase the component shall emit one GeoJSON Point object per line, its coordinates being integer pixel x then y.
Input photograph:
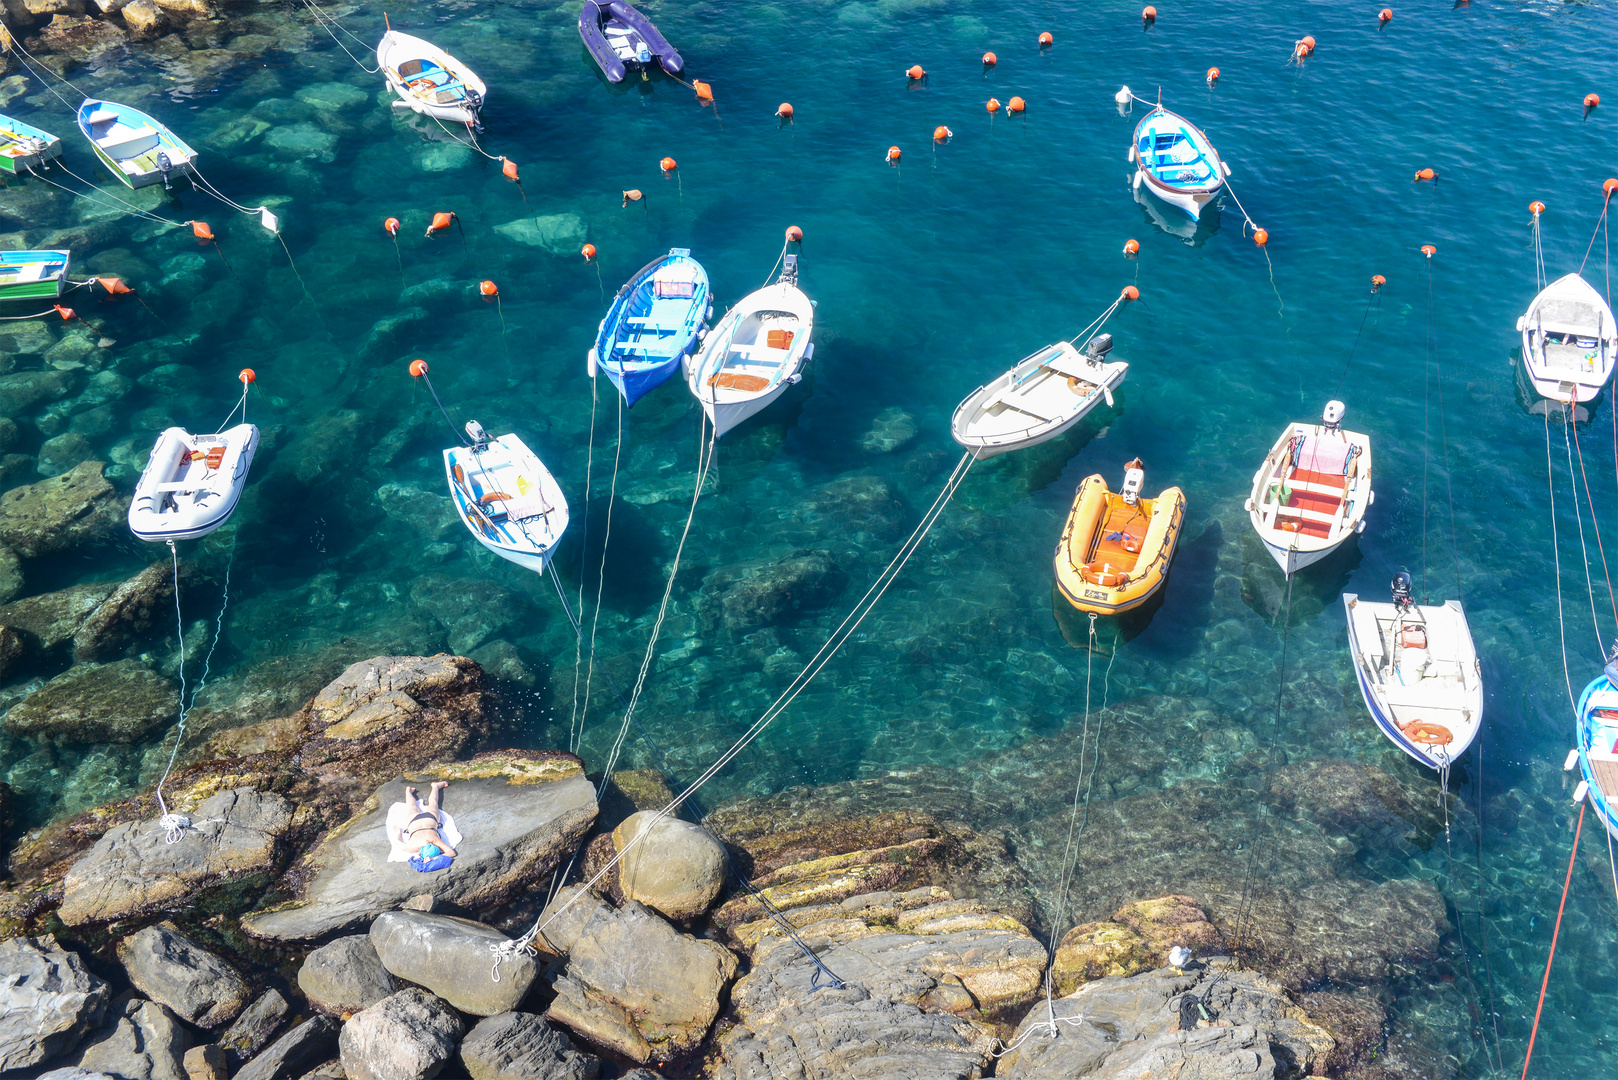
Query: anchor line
{"type": "Point", "coordinates": [1578, 517]}
{"type": "Point", "coordinates": [601, 572]}
{"type": "Point", "coordinates": [1556, 556]}
{"type": "Point", "coordinates": [1595, 526]}
{"type": "Point", "coordinates": [128, 207]}
{"type": "Point", "coordinates": [584, 547]}
{"type": "Point", "coordinates": [1555, 933]}
{"type": "Point", "coordinates": [846, 629]}
{"type": "Point", "coordinates": [326, 23]}
{"type": "Point", "coordinates": [1374, 298]}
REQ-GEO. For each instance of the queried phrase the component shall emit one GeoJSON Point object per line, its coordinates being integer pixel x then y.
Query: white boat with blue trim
{"type": "Point", "coordinates": [755, 352]}
{"type": "Point", "coordinates": [429, 80]}
{"type": "Point", "coordinates": [136, 148]}
{"type": "Point", "coordinates": [1597, 752]}
{"type": "Point", "coordinates": [506, 497]}
{"type": "Point", "coordinates": [191, 483]}
{"type": "Point", "coordinates": [1175, 161]}
{"type": "Point", "coordinates": [1419, 673]}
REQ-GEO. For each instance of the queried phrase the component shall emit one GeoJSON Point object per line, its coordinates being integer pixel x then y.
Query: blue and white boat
{"type": "Point", "coordinates": [657, 319]}
{"type": "Point", "coordinates": [507, 499]}
{"type": "Point", "coordinates": [24, 147]}
{"type": "Point", "coordinates": [1175, 161]}
{"type": "Point", "coordinates": [1597, 751]}
{"type": "Point", "coordinates": [136, 148]}
{"type": "Point", "coordinates": [1418, 671]}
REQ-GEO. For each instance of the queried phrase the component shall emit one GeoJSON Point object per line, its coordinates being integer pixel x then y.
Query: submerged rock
{"type": "Point", "coordinates": [1136, 939]}
{"type": "Point", "coordinates": [559, 234]}
{"type": "Point", "coordinates": [303, 142]}
{"type": "Point", "coordinates": [23, 392]}
{"type": "Point", "coordinates": [131, 613]}
{"type": "Point", "coordinates": [892, 429]}
{"type": "Point", "coordinates": [173, 970]}
{"type": "Point", "coordinates": [767, 591]}
{"type": "Point", "coordinates": [521, 1046]}
{"type": "Point", "coordinates": [676, 868]}
{"type": "Point", "coordinates": [331, 96]}
{"type": "Point", "coordinates": [48, 1001]}
{"type": "Point", "coordinates": [144, 1042]}
{"type": "Point", "coordinates": [131, 870]}
{"type": "Point", "coordinates": [520, 812]}
{"type": "Point", "coordinates": [409, 1036]}
{"type": "Point", "coordinates": [345, 975]}
{"type": "Point", "coordinates": [50, 620]}
{"type": "Point", "coordinates": [75, 510]}
{"type": "Point", "coordinates": [97, 703]}
{"type": "Point", "coordinates": [451, 957]}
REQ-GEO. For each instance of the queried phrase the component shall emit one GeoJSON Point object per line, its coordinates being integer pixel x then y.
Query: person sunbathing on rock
{"type": "Point", "coordinates": [421, 835]}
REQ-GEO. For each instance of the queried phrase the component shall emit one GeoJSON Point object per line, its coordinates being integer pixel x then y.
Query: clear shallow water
{"type": "Point", "coordinates": [930, 278]}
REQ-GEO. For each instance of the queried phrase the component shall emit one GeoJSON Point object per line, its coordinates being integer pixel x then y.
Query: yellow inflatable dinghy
{"type": "Point", "coordinates": [1115, 551]}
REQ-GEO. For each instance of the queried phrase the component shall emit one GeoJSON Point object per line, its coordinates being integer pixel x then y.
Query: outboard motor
{"type": "Point", "coordinates": [1097, 347]}
{"type": "Point", "coordinates": [1134, 480]}
{"type": "Point", "coordinates": [643, 54]}
{"type": "Point", "coordinates": [1401, 591]}
{"type": "Point", "coordinates": [474, 102]}
{"type": "Point", "coordinates": [789, 270]}
{"type": "Point", "coordinates": [164, 165]}
{"type": "Point", "coordinates": [480, 438]}
{"type": "Point", "coordinates": [1332, 419]}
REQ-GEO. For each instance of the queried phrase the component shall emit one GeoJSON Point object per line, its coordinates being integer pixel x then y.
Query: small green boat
{"type": "Point", "coordinates": [30, 275]}
{"type": "Point", "coordinates": [24, 147]}
{"type": "Point", "coordinates": [132, 145]}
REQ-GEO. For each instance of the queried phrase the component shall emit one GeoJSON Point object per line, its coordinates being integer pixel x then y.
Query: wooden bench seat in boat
{"type": "Point", "coordinates": [1604, 767]}
{"type": "Point", "coordinates": [122, 141]}
{"type": "Point", "coordinates": [738, 380]}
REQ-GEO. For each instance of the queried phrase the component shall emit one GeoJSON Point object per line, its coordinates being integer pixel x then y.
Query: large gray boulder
{"type": "Point", "coordinates": [345, 976]}
{"type": "Point", "coordinates": [676, 868]}
{"type": "Point", "coordinates": [452, 958]}
{"type": "Point", "coordinates": [145, 1042]}
{"type": "Point", "coordinates": [132, 870]}
{"type": "Point", "coordinates": [97, 703]}
{"type": "Point", "coordinates": [633, 982]}
{"type": "Point", "coordinates": [170, 968]}
{"type": "Point", "coordinates": [290, 1056]}
{"type": "Point", "coordinates": [1211, 1020]}
{"type": "Point", "coordinates": [520, 819]}
{"type": "Point", "coordinates": [522, 1046]}
{"type": "Point", "coordinates": [78, 509]}
{"type": "Point", "coordinates": [48, 1001]}
{"type": "Point", "coordinates": [255, 1027]}
{"type": "Point", "coordinates": [409, 1036]}
{"type": "Point", "coordinates": [50, 620]}
{"type": "Point", "coordinates": [131, 613]}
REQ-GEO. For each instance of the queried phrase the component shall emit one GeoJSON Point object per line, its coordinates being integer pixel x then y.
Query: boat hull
{"type": "Point", "coordinates": [625, 24]}
{"type": "Point", "coordinates": [33, 275]}
{"type": "Point", "coordinates": [1570, 373]}
{"type": "Point", "coordinates": [738, 350]}
{"type": "Point", "coordinates": [656, 320]}
{"type": "Point", "coordinates": [1459, 709]}
{"type": "Point", "coordinates": [1092, 505]}
{"type": "Point", "coordinates": [177, 498]}
{"type": "Point", "coordinates": [1034, 402]}
{"type": "Point", "coordinates": [1155, 149]}
{"type": "Point", "coordinates": [524, 528]}
{"type": "Point", "coordinates": [1597, 731]}
{"type": "Point", "coordinates": [397, 49]}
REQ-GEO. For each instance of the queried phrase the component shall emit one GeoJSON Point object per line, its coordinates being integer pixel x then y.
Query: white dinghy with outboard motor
{"type": "Point", "coordinates": [1312, 491]}
{"type": "Point", "coordinates": [1038, 399]}
{"type": "Point", "coordinates": [1419, 673]}
{"type": "Point", "coordinates": [429, 80]}
{"type": "Point", "coordinates": [191, 483]}
{"type": "Point", "coordinates": [506, 497]}
{"type": "Point", "coordinates": [1568, 341]}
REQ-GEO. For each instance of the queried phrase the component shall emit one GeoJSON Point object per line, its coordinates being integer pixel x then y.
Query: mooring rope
{"type": "Point", "coordinates": [327, 22]}
{"type": "Point", "coordinates": [584, 548]}
{"type": "Point", "coordinates": [601, 571]}
{"type": "Point", "coordinates": [1556, 556]}
{"type": "Point", "coordinates": [1555, 933]}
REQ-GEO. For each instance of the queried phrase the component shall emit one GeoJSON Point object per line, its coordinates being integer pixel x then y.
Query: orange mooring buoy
{"type": "Point", "coordinates": [1428, 250]}
{"type": "Point", "coordinates": [113, 286]}
{"type": "Point", "coordinates": [1130, 293]}
{"type": "Point", "coordinates": [1591, 101]}
{"type": "Point", "coordinates": [441, 220]}
{"type": "Point", "coordinates": [633, 195]}
{"type": "Point", "coordinates": [67, 313]}
{"type": "Point", "coordinates": [1384, 16]}
{"type": "Point", "coordinates": [784, 110]}
{"type": "Point", "coordinates": [668, 165]}
{"type": "Point", "coordinates": [508, 168]}
{"type": "Point", "coordinates": [893, 154]}
{"type": "Point", "coordinates": [418, 368]}
{"type": "Point", "coordinates": [392, 226]}
{"type": "Point", "coordinates": [1261, 237]}
{"type": "Point", "coordinates": [704, 91]}
{"type": "Point", "coordinates": [588, 251]}
{"type": "Point", "coordinates": [940, 134]}
{"type": "Point", "coordinates": [916, 73]}
{"type": "Point", "coordinates": [794, 234]}
{"type": "Point", "coordinates": [488, 288]}
{"type": "Point", "coordinates": [993, 105]}
{"type": "Point", "coordinates": [1131, 247]}
{"type": "Point", "coordinates": [247, 375]}
{"type": "Point", "coordinates": [1608, 186]}
{"type": "Point", "coordinates": [200, 230]}
{"type": "Point", "coordinates": [1213, 75]}
{"type": "Point", "coordinates": [1304, 46]}
{"type": "Point", "coordinates": [1148, 14]}
{"type": "Point", "coordinates": [1045, 40]}
{"type": "Point", "coordinates": [1016, 105]}
{"type": "Point", "coordinates": [1377, 281]}
{"type": "Point", "coordinates": [1424, 174]}
{"type": "Point", "coordinates": [1536, 208]}
{"type": "Point", "coordinates": [989, 59]}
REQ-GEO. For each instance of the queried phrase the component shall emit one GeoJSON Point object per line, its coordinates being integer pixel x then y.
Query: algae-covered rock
{"type": "Point", "coordinates": [1137, 938]}
{"type": "Point", "coordinates": [75, 510]}
{"type": "Point", "coordinates": [331, 96]}
{"type": "Point", "coordinates": [767, 591]}
{"type": "Point", "coordinates": [50, 620]}
{"type": "Point", "coordinates": [303, 142]}
{"type": "Point", "coordinates": [131, 613]}
{"type": "Point", "coordinates": [96, 703]}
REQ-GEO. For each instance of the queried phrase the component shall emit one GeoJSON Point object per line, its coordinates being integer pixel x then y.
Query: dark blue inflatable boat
{"type": "Point", "coordinates": [621, 38]}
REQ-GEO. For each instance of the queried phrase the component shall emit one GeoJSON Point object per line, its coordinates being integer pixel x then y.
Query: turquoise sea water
{"type": "Point", "coordinates": [930, 278]}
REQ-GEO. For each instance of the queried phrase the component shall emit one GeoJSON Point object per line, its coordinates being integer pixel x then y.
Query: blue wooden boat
{"type": "Point", "coordinates": [620, 38]}
{"type": "Point", "coordinates": [24, 147]}
{"type": "Point", "coordinates": [136, 148]}
{"type": "Point", "coordinates": [32, 275]}
{"type": "Point", "coordinates": [1597, 752]}
{"type": "Point", "coordinates": [655, 321]}
{"type": "Point", "coordinates": [1175, 161]}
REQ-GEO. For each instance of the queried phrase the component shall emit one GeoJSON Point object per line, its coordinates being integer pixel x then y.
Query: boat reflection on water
{"type": "Point", "coordinates": [1175, 223]}
{"type": "Point", "coordinates": [1532, 402]}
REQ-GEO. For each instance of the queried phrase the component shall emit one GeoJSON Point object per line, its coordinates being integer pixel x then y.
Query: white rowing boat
{"type": "Point", "coordinates": [1419, 673]}
{"type": "Point", "coordinates": [1038, 399]}
{"type": "Point", "coordinates": [1568, 341]}
{"type": "Point", "coordinates": [755, 353]}
{"type": "Point", "coordinates": [1312, 491]}
{"type": "Point", "coordinates": [506, 497]}
{"type": "Point", "coordinates": [1175, 161]}
{"type": "Point", "coordinates": [191, 483]}
{"type": "Point", "coordinates": [429, 80]}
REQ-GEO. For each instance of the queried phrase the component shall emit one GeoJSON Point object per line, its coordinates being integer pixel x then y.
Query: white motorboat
{"type": "Point", "coordinates": [430, 80]}
{"type": "Point", "coordinates": [1038, 399]}
{"type": "Point", "coordinates": [1568, 341]}
{"type": "Point", "coordinates": [1418, 672]}
{"type": "Point", "coordinates": [1312, 491]}
{"type": "Point", "coordinates": [191, 483]}
{"type": "Point", "coordinates": [755, 353]}
{"type": "Point", "coordinates": [506, 497]}
{"type": "Point", "coordinates": [1174, 160]}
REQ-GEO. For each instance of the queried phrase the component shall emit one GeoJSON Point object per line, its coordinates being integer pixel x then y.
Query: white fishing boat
{"type": "Point", "coordinates": [429, 80]}
{"type": "Point", "coordinates": [755, 353]}
{"type": "Point", "coordinates": [506, 497]}
{"type": "Point", "coordinates": [1312, 491]}
{"type": "Point", "coordinates": [1568, 341]}
{"type": "Point", "coordinates": [1418, 672]}
{"type": "Point", "coordinates": [1038, 399]}
{"type": "Point", "coordinates": [191, 483]}
{"type": "Point", "coordinates": [1174, 160]}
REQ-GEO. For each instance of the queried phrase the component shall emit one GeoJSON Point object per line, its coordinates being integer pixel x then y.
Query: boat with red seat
{"type": "Point", "coordinates": [1312, 491]}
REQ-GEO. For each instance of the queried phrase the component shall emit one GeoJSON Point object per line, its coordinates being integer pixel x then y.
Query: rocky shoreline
{"type": "Point", "coordinates": [273, 940]}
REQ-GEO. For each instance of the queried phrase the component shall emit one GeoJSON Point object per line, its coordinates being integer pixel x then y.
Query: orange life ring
{"type": "Point", "coordinates": [1101, 573]}
{"type": "Point", "coordinates": [1080, 386]}
{"type": "Point", "coordinates": [1428, 734]}
{"type": "Point", "coordinates": [494, 496]}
